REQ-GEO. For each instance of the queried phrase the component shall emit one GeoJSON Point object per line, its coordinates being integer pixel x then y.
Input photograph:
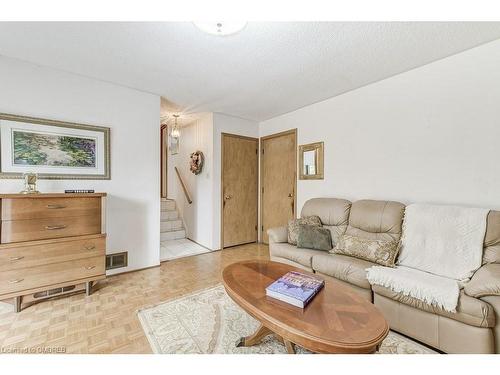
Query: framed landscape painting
{"type": "Point", "coordinates": [53, 149]}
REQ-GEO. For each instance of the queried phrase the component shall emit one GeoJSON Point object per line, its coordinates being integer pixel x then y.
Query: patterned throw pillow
{"type": "Point", "coordinates": [293, 227]}
{"type": "Point", "coordinates": [314, 237]}
{"type": "Point", "coordinates": [383, 252]}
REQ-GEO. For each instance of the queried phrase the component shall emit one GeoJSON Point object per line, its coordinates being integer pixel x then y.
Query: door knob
{"type": "Point", "coordinates": [290, 195]}
{"type": "Point", "coordinates": [226, 197]}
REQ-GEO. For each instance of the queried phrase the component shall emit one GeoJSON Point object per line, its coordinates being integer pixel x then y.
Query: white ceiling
{"type": "Point", "coordinates": [263, 71]}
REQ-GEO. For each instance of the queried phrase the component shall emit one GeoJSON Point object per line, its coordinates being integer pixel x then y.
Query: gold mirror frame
{"type": "Point", "coordinates": [318, 148]}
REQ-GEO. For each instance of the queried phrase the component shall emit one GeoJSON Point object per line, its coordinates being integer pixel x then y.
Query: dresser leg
{"type": "Point", "coordinates": [17, 304]}
{"type": "Point", "coordinates": [88, 288]}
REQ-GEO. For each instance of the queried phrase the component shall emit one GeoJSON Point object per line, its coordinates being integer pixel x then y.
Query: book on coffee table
{"type": "Point", "coordinates": [295, 288]}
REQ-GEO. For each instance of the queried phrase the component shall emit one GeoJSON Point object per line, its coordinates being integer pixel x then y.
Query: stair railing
{"type": "Point", "coordinates": [184, 188]}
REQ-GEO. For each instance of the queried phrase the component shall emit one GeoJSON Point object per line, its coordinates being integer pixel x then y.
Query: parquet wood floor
{"type": "Point", "coordinates": [106, 321]}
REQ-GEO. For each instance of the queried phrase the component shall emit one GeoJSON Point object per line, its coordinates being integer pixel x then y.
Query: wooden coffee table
{"type": "Point", "coordinates": [337, 320]}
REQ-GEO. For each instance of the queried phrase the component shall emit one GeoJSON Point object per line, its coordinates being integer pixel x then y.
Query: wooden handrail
{"type": "Point", "coordinates": [186, 192]}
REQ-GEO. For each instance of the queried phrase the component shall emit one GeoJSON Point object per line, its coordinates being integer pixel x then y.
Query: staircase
{"type": "Point", "coordinates": [171, 226]}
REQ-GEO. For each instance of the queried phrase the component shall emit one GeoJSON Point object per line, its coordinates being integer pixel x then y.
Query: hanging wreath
{"type": "Point", "coordinates": [196, 163]}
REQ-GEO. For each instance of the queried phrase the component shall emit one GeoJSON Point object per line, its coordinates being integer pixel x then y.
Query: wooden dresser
{"type": "Point", "coordinates": [50, 244]}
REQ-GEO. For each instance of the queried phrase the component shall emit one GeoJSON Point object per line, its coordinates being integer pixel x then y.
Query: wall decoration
{"type": "Point", "coordinates": [196, 163]}
{"type": "Point", "coordinates": [52, 149]}
{"type": "Point", "coordinates": [311, 161]}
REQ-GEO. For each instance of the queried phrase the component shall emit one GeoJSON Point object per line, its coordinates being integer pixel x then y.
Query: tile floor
{"type": "Point", "coordinates": [180, 248]}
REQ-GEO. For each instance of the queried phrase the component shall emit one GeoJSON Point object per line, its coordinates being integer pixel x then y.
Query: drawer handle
{"type": "Point", "coordinates": [55, 206]}
{"type": "Point", "coordinates": [89, 247]}
{"type": "Point", "coordinates": [90, 268]}
{"type": "Point", "coordinates": [13, 259]}
{"type": "Point", "coordinates": [55, 227]}
{"type": "Point", "coordinates": [15, 281]}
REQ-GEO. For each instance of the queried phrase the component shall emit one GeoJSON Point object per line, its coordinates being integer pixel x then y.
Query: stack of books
{"type": "Point", "coordinates": [295, 288]}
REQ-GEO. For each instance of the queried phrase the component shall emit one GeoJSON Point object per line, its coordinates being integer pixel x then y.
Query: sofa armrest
{"type": "Point", "coordinates": [278, 234]}
{"type": "Point", "coordinates": [485, 282]}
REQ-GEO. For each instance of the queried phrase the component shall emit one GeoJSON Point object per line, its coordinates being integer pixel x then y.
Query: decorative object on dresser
{"type": "Point", "coordinates": [53, 149]}
{"type": "Point", "coordinates": [29, 183]}
{"type": "Point", "coordinates": [51, 244]}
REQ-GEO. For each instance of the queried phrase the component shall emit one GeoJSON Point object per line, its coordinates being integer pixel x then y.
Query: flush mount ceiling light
{"type": "Point", "coordinates": [220, 28]}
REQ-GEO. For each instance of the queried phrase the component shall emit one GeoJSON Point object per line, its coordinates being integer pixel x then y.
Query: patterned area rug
{"type": "Point", "coordinates": [208, 321]}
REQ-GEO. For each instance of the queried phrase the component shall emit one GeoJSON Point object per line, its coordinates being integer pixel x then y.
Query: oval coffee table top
{"type": "Point", "coordinates": [337, 320]}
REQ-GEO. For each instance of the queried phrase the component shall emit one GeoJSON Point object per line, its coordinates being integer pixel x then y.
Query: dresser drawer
{"type": "Point", "coordinates": [49, 274]}
{"type": "Point", "coordinates": [41, 229]}
{"type": "Point", "coordinates": [23, 209]}
{"type": "Point", "coordinates": [37, 254]}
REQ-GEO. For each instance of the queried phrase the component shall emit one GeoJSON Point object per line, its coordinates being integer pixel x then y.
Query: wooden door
{"type": "Point", "coordinates": [278, 180]}
{"type": "Point", "coordinates": [239, 189]}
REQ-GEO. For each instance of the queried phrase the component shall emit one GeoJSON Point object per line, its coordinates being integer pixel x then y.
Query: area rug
{"type": "Point", "coordinates": [208, 321]}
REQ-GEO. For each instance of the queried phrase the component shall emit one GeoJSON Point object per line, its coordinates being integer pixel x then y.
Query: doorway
{"type": "Point", "coordinates": [239, 199]}
{"type": "Point", "coordinates": [278, 180]}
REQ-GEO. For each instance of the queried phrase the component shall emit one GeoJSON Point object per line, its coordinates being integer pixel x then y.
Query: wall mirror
{"type": "Point", "coordinates": [311, 161]}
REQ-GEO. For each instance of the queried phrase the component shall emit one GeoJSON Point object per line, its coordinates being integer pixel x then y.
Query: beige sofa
{"type": "Point", "coordinates": [474, 328]}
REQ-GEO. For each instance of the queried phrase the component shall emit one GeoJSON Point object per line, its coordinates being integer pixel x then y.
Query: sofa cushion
{"type": "Point", "coordinates": [471, 311]}
{"type": "Point", "coordinates": [491, 253]}
{"type": "Point", "coordinates": [290, 252]}
{"type": "Point", "coordinates": [333, 213]}
{"type": "Point", "coordinates": [293, 226]}
{"type": "Point", "coordinates": [342, 267]}
{"type": "Point", "coordinates": [376, 220]}
{"type": "Point", "coordinates": [313, 237]}
{"type": "Point", "coordinates": [382, 252]}
{"type": "Point", "coordinates": [277, 234]}
{"type": "Point", "coordinates": [485, 282]}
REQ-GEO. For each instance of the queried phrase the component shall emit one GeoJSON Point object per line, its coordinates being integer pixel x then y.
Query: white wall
{"type": "Point", "coordinates": [133, 221]}
{"type": "Point", "coordinates": [197, 216]}
{"type": "Point", "coordinates": [428, 135]}
{"type": "Point", "coordinates": [233, 125]}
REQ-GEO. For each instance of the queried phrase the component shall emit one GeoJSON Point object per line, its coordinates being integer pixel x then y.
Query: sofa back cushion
{"type": "Point", "coordinates": [376, 220]}
{"type": "Point", "coordinates": [333, 213]}
{"type": "Point", "coordinates": [491, 253]}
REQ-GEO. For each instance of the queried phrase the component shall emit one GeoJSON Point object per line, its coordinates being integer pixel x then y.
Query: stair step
{"type": "Point", "coordinates": [173, 235]}
{"type": "Point", "coordinates": [170, 225]}
{"type": "Point", "coordinates": [168, 205]}
{"type": "Point", "coordinates": [169, 215]}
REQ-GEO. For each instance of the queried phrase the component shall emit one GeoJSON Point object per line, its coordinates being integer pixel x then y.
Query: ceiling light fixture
{"type": "Point", "coordinates": [220, 28]}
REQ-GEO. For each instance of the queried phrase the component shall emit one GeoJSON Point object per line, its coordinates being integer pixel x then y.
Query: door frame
{"type": "Point", "coordinates": [222, 183]}
{"type": "Point", "coordinates": [261, 176]}
{"type": "Point", "coordinates": [163, 162]}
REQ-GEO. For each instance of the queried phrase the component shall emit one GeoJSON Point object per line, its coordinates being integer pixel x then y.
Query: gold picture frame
{"type": "Point", "coordinates": [311, 161]}
{"type": "Point", "coordinates": [100, 170]}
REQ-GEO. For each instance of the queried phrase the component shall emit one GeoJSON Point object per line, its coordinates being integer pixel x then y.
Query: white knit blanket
{"type": "Point", "coordinates": [441, 247]}
{"type": "Point", "coordinates": [443, 240]}
{"type": "Point", "coordinates": [435, 290]}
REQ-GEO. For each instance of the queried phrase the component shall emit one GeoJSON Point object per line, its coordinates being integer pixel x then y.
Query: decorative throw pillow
{"type": "Point", "coordinates": [383, 252]}
{"type": "Point", "coordinates": [314, 237]}
{"type": "Point", "coordinates": [293, 227]}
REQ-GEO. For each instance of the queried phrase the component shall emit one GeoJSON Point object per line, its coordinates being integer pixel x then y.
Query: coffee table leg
{"type": "Point", "coordinates": [290, 346]}
{"type": "Point", "coordinates": [255, 338]}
